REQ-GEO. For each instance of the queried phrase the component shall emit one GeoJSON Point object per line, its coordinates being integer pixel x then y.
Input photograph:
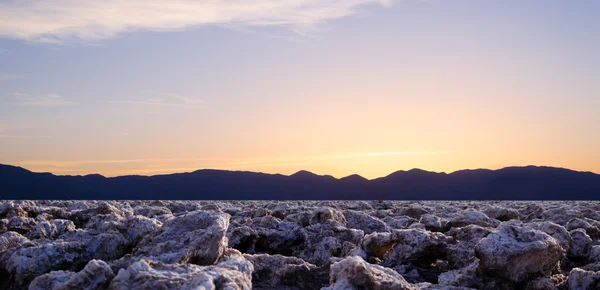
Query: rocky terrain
{"type": "Point", "coordinates": [299, 245]}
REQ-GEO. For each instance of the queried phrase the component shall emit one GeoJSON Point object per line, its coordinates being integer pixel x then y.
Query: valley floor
{"type": "Point", "coordinates": [67, 244]}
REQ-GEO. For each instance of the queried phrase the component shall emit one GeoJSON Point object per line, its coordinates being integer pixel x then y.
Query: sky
{"type": "Point", "coordinates": [334, 87]}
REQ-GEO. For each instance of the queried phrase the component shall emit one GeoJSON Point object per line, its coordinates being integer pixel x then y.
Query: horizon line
{"type": "Point", "coordinates": [307, 171]}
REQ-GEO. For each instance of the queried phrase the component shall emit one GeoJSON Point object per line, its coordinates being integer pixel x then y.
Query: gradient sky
{"type": "Point", "coordinates": [335, 87]}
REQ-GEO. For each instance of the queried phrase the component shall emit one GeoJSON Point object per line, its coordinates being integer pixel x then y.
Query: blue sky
{"type": "Point", "coordinates": [441, 85]}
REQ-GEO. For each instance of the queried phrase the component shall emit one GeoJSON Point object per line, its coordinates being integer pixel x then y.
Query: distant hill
{"type": "Point", "coordinates": [512, 183]}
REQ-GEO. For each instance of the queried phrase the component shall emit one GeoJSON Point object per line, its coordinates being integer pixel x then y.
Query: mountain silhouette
{"type": "Point", "coordinates": [511, 183]}
{"type": "Point", "coordinates": [354, 178]}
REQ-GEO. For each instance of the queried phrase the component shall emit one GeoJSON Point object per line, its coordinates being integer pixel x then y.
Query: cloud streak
{"type": "Point", "coordinates": [221, 162]}
{"type": "Point", "coordinates": [9, 77]}
{"type": "Point", "coordinates": [43, 100]}
{"type": "Point", "coordinates": [324, 158]}
{"type": "Point", "coordinates": [164, 99]}
{"type": "Point", "coordinates": [87, 20]}
{"type": "Point", "coordinates": [21, 136]}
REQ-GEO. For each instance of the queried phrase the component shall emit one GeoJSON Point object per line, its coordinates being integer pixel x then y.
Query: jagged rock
{"type": "Point", "coordinates": [178, 207]}
{"type": "Point", "coordinates": [324, 241]}
{"type": "Point", "coordinates": [95, 275]}
{"type": "Point", "coordinates": [51, 229]}
{"type": "Point", "coordinates": [398, 222]}
{"type": "Point", "coordinates": [44, 217]}
{"type": "Point", "coordinates": [378, 244]}
{"type": "Point", "coordinates": [78, 205]}
{"type": "Point", "coordinates": [462, 253]}
{"type": "Point", "coordinates": [431, 244]}
{"type": "Point", "coordinates": [139, 226]}
{"type": "Point", "coordinates": [463, 277]}
{"type": "Point", "coordinates": [355, 273]}
{"type": "Point", "coordinates": [242, 238]}
{"type": "Point", "coordinates": [472, 217]}
{"type": "Point", "coordinates": [358, 205]}
{"type": "Point", "coordinates": [502, 213]}
{"type": "Point", "coordinates": [111, 222]}
{"type": "Point", "coordinates": [233, 273]}
{"type": "Point", "coordinates": [411, 244]}
{"type": "Point", "coordinates": [414, 210]}
{"type": "Point", "coordinates": [11, 240]}
{"type": "Point", "coordinates": [431, 222]}
{"type": "Point", "coordinates": [531, 211]}
{"type": "Point", "coordinates": [362, 221]}
{"type": "Point", "coordinates": [279, 238]}
{"type": "Point", "coordinates": [328, 215]}
{"type": "Point", "coordinates": [409, 273]}
{"type": "Point", "coordinates": [418, 226]}
{"type": "Point", "coordinates": [580, 279]}
{"type": "Point", "coordinates": [47, 213]}
{"type": "Point", "coordinates": [25, 264]}
{"type": "Point", "coordinates": [21, 224]}
{"type": "Point", "coordinates": [557, 231]}
{"type": "Point", "coordinates": [260, 212]}
{"type": "Point", "coordinates": [580, 243]}
{"type": "Point", "coordinates": [561, 215]}
{"type": "Point", "coordinates": [280, 210]}
{"type": "Point", "coordinates": [279, 272]}
{"type": "Point", "coordinates": [197, 237]}
{"type": "Point", "coordinates": [151, 211]}
{"type": "Point", "coordinates": [266, 222]}
{"type": "Point", "coordinates": [3, 224]}
{"type": "Point", "coordinates": [123, 262]}
{"type": "Point", "coordinates": [518, 253]}
{"type": "Point", "coordinates": [594, 255]}
{"type": "Point", "coordinates": [331, 247]}
{"type": "Point", "coordinates": [211, 207]}
{"type": "Point", "coordinates": [104, 246]}
{"type": "Point", "coordinates": [301, 218]}
{"type": "Point", "coordinates": [547, 283]}
{"type": "Point", "coordinates": [418, 251]}
{"type": "Point", "coordinates": [590, 226]}
{"type": "Point", "coordinates": [595, 267]}
{"type": "Point", "coordinates": [107, 246]}
{"type": "Point", "coordinates": [429, 286]}
{"type": "Point", "coordinates": [265, 234]}
{"type": "Point", "coordinates": [12, 209]}
{"type": "Point", "coordinates": [94, 210]}
{"type": "Point", "coordinates": [577, 223]}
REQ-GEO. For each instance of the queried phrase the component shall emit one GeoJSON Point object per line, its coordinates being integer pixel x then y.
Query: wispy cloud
{"type": "Point", "coordinates": [18, 132]}
{"type": "Point", "coordinates": [68, 163]}
{"type": "Point", "coordinates": [136, 166]}
{"type": "Point", "coordinates": [12, 128]}
{"type": "Point", "coordinates": [11, 136]}
{"type": "Point", "coordinates": [330, 157]}
{"type": "Point", "coordinates": [9, 77]}
{"type": "Point", "coordinates": [383, 154]}
{"type": "Point", "coordinates": [163, 99]}
{"type": "Point", "coordinates": [220, 162]}
{"type": "Point", "coordinates": [185, 99]}
{"type": "Point", "coordinates": [47, 100]}
{"type": "Point", "coordinates": [85, 20]}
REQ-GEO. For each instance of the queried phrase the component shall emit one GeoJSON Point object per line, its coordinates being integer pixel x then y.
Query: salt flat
{"type": "Point", "coordinates": [66, 244]}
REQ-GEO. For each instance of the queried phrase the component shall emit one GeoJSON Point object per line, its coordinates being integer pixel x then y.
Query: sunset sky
{"type": "Point", "coordinates": [334, 87]}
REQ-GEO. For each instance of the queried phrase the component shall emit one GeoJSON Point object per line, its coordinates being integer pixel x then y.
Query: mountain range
{"type": "Point", "coordinates": [510, 183]}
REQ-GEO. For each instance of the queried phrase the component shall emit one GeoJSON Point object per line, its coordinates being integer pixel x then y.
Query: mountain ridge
{"type": "Point", "coordinates": [302, 172]}
{"type": "Point", "coordinates": [515, 182]}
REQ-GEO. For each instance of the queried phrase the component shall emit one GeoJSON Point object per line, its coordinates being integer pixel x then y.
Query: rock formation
{"type": "Point", "coordinates": [295, 245]}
